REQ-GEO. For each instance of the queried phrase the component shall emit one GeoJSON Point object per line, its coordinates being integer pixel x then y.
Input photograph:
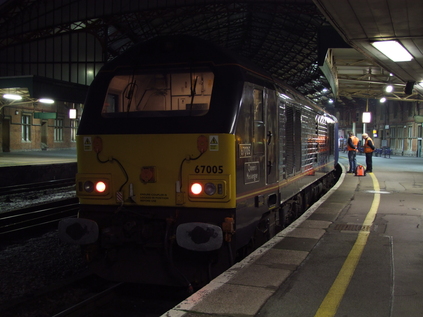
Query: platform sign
{"type": "Point", "coordinates": [45, 115]}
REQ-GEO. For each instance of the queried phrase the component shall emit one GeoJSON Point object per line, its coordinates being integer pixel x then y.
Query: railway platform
{"type": "Point", "coordinates": [357, 252]}
{"type": "Point", "coordinates": [21, 158]}
{"type": "Point", "coordinates": [25, 167]}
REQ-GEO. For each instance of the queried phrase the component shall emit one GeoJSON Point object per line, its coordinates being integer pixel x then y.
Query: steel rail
{"type": "Point", "coordinates": [20, 222]}
{"type": "Point", "coordinates": [91, 304]}
{"type": "Point", "coordinates": [23, 188]}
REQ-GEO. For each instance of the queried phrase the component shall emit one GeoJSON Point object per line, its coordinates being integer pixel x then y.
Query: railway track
{"type": "Point", "coordinates": [24, 188]}
{"type": "Point", "coordinates": [89, 295]}
{"type": "Point", "coordinates": [75, 296]}
{"type": "Point", "coordinates": [127, 299]}
{"type": "Point", "coordinates": [89, 305]}
{"type": "Point", "coordinates": [22, 222]}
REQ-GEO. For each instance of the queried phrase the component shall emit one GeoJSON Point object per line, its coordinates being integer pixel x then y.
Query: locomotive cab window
{"type": "Point", "coordinates": [159, 94]}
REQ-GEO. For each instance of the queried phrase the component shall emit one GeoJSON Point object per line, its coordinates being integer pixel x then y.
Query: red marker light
{"type": "Point", "coordinates": [100, 187]}
{"type": "Point", "coordinates": [196, 188]}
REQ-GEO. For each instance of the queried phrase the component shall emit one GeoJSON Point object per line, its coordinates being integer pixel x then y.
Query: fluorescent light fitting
{"type": "Point", "coordinates": [12, 96]}
{"type": "Point", "coordinates": [46, 100]}
{"type": "Point", "coordinates": [284, 96]}
{"type": "Point", "coordinates": [393, 50]}
{"type": "Point", "coordinates": [382, 100]}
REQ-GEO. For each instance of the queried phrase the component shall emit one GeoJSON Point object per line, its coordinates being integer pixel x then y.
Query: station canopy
{"type": "Point", "coordinates": [288, 38]}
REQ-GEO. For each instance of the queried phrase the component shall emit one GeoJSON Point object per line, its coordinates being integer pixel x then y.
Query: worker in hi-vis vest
{"type": "Point", "coordinates": [352, 147]}
{"type": "Point", "coordinates": [368, 147]}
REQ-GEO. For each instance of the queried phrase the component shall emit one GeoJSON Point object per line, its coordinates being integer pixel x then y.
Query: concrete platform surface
{"type": "Point", "coordinates": [356, 252]}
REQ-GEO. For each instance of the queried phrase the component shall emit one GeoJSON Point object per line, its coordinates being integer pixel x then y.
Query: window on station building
{"type": "Point", "coordinates": [58, 130]}
{"type": "Point", "coordinates": [26, 127]}
{"type": "Point", "coordinates": [74, 128]}
{"type": "Point", "coordinates": [400, 144]}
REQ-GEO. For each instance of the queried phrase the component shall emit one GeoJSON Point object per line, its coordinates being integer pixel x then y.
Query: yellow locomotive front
{"type": "Point", "coordinates": [169, 193]}
{"type": "Point", "coordinates": [160, 170]}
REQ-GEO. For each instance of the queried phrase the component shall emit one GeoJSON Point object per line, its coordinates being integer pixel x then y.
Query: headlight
{"type": "Point", "coordinates": [88, 186]}
{"type": "Point", "coordinates": [210, 189]}
{"type": "Point", "coordinates": [94, 185]}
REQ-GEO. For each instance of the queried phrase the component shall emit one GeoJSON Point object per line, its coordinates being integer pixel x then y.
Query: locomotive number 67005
{"type": "Point", "coordinates": [207, 169]}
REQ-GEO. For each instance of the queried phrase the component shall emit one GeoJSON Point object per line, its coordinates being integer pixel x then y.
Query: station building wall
{"type": "Point", "coordinates": [396, 125]}
{"type": "Point", "coordinates": [24, 129]}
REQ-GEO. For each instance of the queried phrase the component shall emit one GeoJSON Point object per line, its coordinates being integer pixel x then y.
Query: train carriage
{"type": "Point", "coordinates": [188, 158]}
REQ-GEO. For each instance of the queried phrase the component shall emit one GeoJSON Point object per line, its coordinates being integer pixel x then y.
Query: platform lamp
{"type": "Point", "coordinates": [72, 113]}
{"type": "Point", "coordinates": [367, 116]}
{"type": "Point", "coordinates": [12, 96]}
{"type": "Point", "coordinates": [389, 88]}
{"type": "Point", "coordinates": [46, 101]}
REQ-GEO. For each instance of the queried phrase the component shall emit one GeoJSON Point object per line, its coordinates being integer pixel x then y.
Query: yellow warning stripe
{"type": "Point", "coordinates": [332, 300]}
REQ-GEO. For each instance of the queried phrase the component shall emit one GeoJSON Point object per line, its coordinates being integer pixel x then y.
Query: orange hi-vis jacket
{"type": "Point", "coordinates": [367, 147]}
{"type": "Point", "coordinates": [354, 141]}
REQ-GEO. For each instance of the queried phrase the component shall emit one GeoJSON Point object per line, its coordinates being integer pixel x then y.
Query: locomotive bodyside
{"type": "Point", "coordinates": [186, 156]}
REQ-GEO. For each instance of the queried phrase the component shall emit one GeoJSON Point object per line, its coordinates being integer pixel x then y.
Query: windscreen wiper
{"type": "Point", "coordinates": [193, 89]}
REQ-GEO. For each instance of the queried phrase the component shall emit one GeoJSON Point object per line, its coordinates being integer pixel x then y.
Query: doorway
{"type": "Point", "coordinates": [6, 135]}
{"type": "Point", "coordinates": [44, 127]}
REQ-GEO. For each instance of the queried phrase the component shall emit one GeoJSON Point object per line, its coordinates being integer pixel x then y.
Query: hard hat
{"type": "Point", "coordinates": [365, 135]}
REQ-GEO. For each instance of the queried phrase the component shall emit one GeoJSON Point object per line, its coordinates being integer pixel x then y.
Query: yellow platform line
{"type": "Point", "coordinates": [333, 298]}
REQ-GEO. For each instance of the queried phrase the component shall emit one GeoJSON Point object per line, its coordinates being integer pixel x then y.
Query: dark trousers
{"type": "Point", "coordinates": [353, 161]}
{"type": "Point", "coordinates": [369, 163]}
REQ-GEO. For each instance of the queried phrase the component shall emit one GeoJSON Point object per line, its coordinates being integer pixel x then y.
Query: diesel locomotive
{"type": "Point", "coordinates": [189, 158]}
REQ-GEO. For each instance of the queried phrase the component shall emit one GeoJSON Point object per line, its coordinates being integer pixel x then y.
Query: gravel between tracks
{"type": "Point", "coordinates": [29, 266]}
{"type": "Point", "coordinates": [16, 201]}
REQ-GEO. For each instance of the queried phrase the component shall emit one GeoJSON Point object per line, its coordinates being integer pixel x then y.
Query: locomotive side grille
{"type": "Point", "coordinates": [297, 132]}
{"type": "Point", "coordinates": [289, 140]}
